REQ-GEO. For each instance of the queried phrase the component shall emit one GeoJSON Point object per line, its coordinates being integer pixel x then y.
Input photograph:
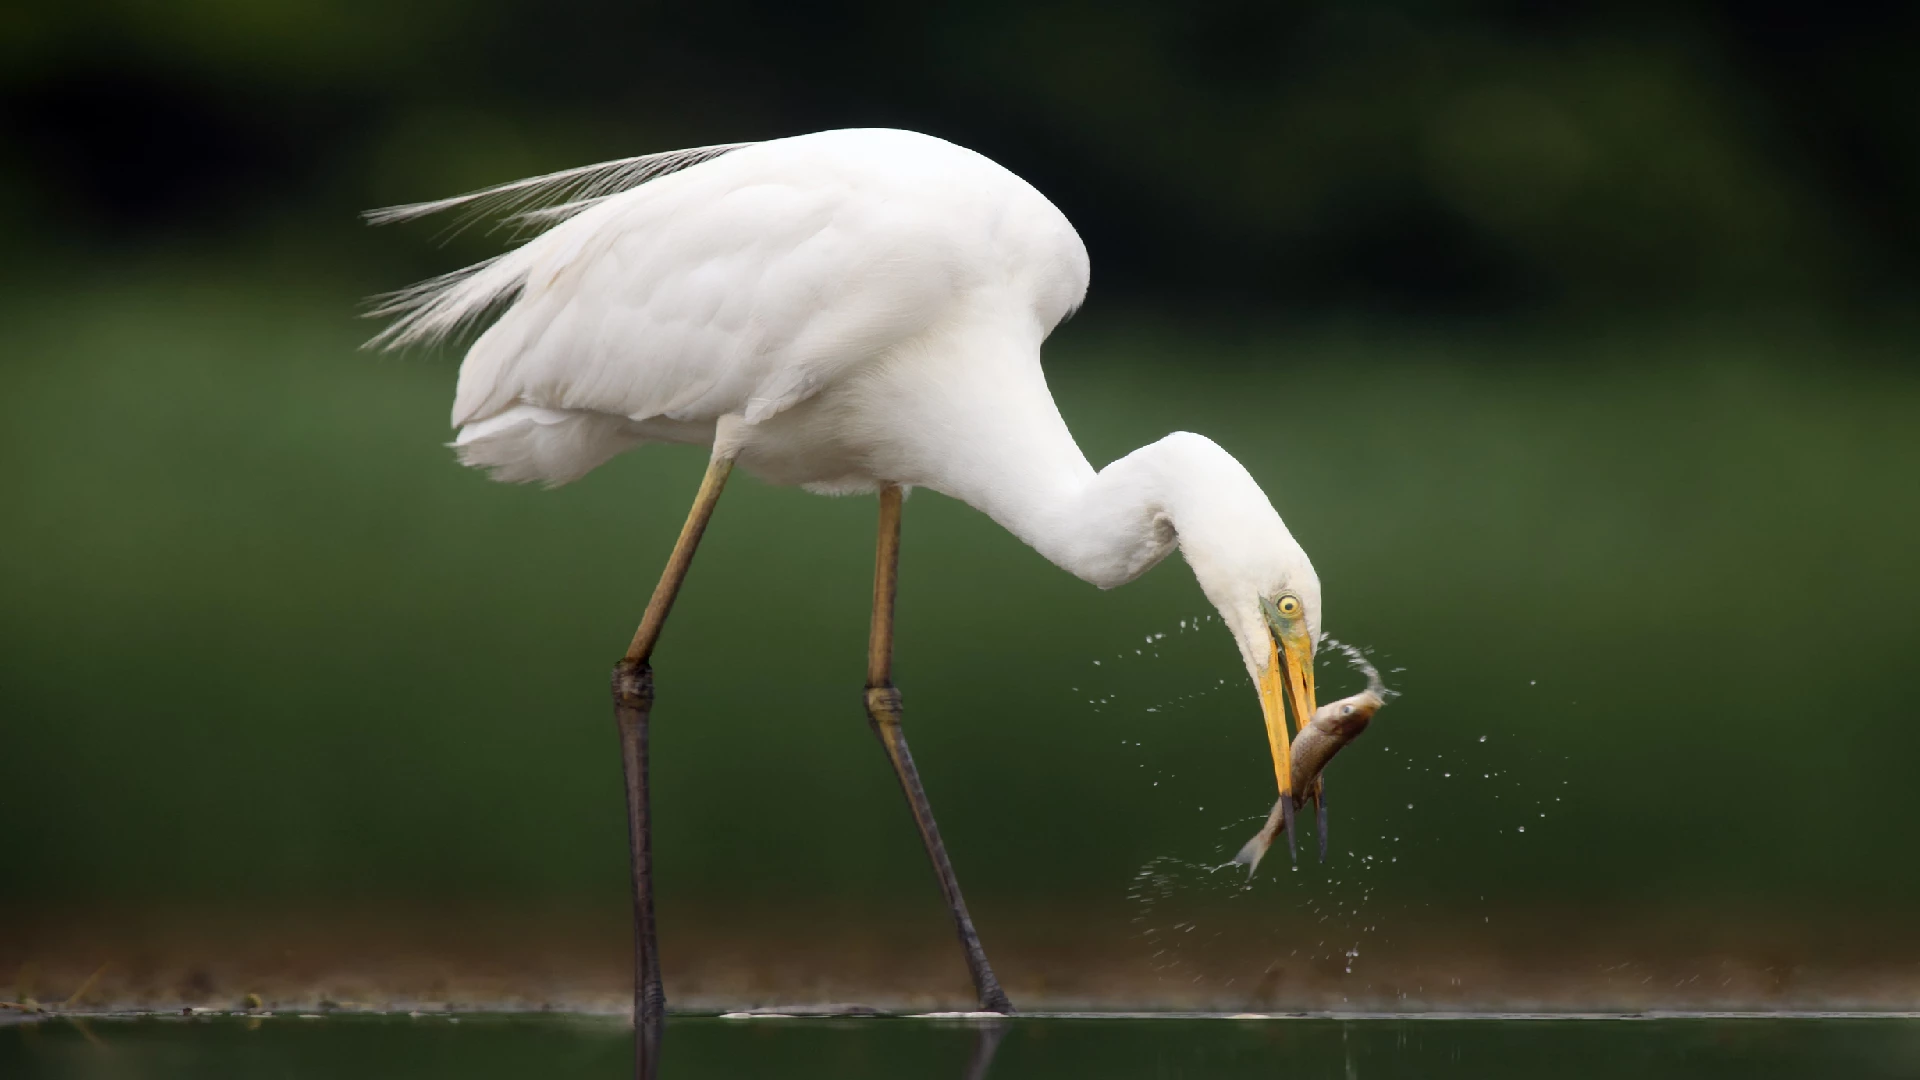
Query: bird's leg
{"type": "Point", "coordinates": [883, 713]}
{"type": "Point", "coordinates": [632, 702]}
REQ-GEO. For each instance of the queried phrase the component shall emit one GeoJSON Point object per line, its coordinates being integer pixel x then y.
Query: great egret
{"type": "Point", "coordinates": [854, 312]}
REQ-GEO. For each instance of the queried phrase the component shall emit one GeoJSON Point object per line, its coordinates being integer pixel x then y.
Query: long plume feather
{"type": "Point", "coordinates": [443, 306]}
{"type": "Point", "coordinates": [556, 195]}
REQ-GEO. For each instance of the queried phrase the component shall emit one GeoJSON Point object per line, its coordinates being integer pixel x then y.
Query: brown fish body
{"type": "Point", "coordinates": [1333, 726]}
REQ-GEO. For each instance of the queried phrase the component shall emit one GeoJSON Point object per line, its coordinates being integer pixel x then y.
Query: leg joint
{"type": "Point", "coordinates": [883, 704]}
{"type": "Point", "coordinates": [633, 684]}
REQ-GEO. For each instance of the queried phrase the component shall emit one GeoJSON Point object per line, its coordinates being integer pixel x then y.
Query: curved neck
{"type": "Point", "coordinates": [1116, 524]}
{"type": "Point", "coordinates": [1106, 527]}
{"type": "Point", "coordinates": [1111, 528]}
{"type": "Point", "coordinates": [1016, 462]}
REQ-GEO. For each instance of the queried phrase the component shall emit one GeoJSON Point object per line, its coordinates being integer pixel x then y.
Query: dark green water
{"type": "Point", "coordinates": [1197, 1048]}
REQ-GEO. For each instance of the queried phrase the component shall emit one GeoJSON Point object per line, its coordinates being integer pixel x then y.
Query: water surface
{"type": "Point", "coordinates": [475, 1047]}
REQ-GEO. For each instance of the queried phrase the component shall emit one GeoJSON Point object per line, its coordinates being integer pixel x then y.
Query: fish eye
{"type": "Point", "coordinates": [1289, 605]}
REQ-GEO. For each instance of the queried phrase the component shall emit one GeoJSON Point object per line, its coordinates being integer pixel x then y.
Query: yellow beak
{"type": "Point", "coordinates": [1289, 680]}
{"type": "Point", "coordinates": [1273, 684]}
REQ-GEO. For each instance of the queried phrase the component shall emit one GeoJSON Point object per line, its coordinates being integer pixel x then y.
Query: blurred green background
{"type": "Point", "coordinates": [1576, 345]}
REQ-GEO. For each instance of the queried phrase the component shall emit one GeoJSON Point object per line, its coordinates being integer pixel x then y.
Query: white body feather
{"type": "Point", "coordinates": [837, 310]}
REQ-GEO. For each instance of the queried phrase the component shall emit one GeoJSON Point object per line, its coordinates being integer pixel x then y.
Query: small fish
{"type": "Point", "coordinates": [1333, 726]}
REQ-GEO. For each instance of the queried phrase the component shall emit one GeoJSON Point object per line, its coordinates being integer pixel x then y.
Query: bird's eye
{"type": "Point", "coordinates": [1289, 605]}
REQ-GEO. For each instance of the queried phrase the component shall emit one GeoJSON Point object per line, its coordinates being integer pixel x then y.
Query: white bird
{"type": "Point", "coordinates": [852, 312]}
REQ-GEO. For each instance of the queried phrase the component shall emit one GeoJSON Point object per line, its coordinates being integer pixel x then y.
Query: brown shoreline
{"type": "Point", "coordinates": [575, 962]}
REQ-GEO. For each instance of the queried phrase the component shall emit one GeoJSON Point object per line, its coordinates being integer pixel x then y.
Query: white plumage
{"type": "Point", "coordinates": [837, 310]}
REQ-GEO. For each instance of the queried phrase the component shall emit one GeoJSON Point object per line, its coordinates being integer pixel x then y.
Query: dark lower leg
{"type": "Point", "coordinates": [632, 706]}
{"type": "Point", "coordinates": [883, 713]}
{"type": "Point", "coordinates": [632, 702]}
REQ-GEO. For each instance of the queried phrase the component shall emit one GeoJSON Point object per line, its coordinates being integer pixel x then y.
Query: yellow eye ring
{"type": "Point", "coordinates": [1289, 605]}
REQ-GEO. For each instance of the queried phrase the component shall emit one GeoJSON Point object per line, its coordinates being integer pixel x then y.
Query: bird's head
{"type": "Point", "coordinates": [1261, 581]}
{"type": "Point", "coordinates": [1274, 614]}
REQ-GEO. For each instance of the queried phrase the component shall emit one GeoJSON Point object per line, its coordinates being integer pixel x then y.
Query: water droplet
{"type": "Point", "coordinates": [1409, 806]}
